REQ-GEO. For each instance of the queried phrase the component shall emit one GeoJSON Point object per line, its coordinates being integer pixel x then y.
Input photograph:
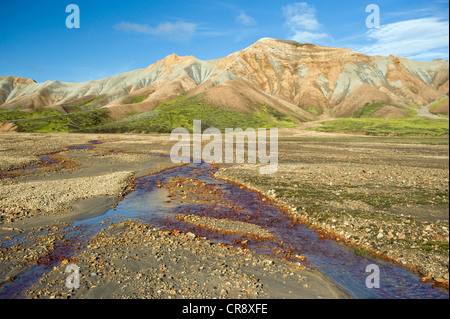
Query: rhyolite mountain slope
{"type": "Point", "coordinates": [302, 81]}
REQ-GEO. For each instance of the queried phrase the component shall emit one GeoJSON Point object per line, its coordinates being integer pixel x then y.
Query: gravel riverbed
{"type": "Point", "coordinates": [127, 259]}
{"type": "Point", "coordinates": [134, 260]}
{"type": "Point", "coordinates": [383, 199]}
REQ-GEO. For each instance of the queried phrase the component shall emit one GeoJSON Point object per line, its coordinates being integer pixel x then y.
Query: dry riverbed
{"type": "Point", "coordinates": [388, 199]}
{"type": "Point", "coordinates": [127, 259]}
{"type": "Point", "coordinates": [385, 199]}
{"type": "Point", "coordinates": [133, 260]}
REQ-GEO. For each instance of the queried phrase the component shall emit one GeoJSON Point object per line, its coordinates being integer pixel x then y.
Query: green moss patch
{"type": "Point", "coordinates": [138, 99]}
{"type": "Point", "coordinates": [368, 109]}
{"type": "Point", "coordinates": [73, 122]}
{"type": "Point", "coordinates": [9, 116]}
{"type": "Point", "coordinates": [182, 111]}
{"type": "Point", "coordinates": [398, 126]}
{"type": "Point", "coordinates": [312, 109]}
{"type": "Point", "coordinates": [83, 105]}
{"type": "Point", "coordinates": [435, 105]}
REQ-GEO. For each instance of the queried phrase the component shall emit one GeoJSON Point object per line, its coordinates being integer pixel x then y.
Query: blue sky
{"type": "Point", "coordinates": [119, 36]}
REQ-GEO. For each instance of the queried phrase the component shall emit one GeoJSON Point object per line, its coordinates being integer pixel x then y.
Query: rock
{"type": "Point", "coordinates": [191, 235]}
{"type": "Point", "coordinates": [271, 192]}
{"type": "Point", "coordinates": [426, 279]}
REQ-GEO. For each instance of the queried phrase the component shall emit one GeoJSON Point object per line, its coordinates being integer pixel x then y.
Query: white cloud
{"type": "Point", "coordinates": [245, 19]}
{"type": "Point", "coordinates": [425, 38]}
{"type": "Point", "coordinates": [308, 37]}
{"type": "Point", "coordinates": [302, 21]}
{"type": "Point", "coordinates": [301, 16]}
{"type": "Point", "coordinates": [179, 30]}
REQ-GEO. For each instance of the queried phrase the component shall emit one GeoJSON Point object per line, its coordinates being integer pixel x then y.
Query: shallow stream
{"type": "Point", "coordinates": [153, 205]}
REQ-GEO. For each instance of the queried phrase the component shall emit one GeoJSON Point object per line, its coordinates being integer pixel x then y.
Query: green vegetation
{"type": "Point", "coordinates": [372, 139]}
{"type": "Point", "coordinates": [410, 112]}
{"type": "Point", "coordinates": [317, 197]}
{"type": "Point", "coordinates": [382, 200]}
{"type": "Point", "coordinates": [82, 105]}
{"type": "Point", "coordinates": [397, 126]}
{"type": "Point", "coordinates": [414, 106]}
{"type": "Point", "coordinates": [440, 246]}
{"type": "Point", "coordinates": [278, 117]}
{"type": "Point", "coordinates": [132, 114]}
{"type": "Point", "coordinates": [435, 105]}
{"type": "Point", "coordinates": [7, 116]}
{"type": "Point", "coordinates": [368, 109]}
{"type": "Point", "coordinates": [312, 109]}
{"type": "Point", "coordinates": [73, 122]}
{"type": "Point", "coordinates": [138, 99]}
{"type": "Point", "coordinates": [361, 252]}
{"type": "Point", "coordinates": [292, 42]}
{"type": "Point", "coordinates": [49, 120]}
{"type": "Point", "coordinates": [182, 111]}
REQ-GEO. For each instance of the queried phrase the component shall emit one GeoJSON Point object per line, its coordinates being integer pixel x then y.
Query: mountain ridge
{"type": "Point", "coordinates": [302, 80]}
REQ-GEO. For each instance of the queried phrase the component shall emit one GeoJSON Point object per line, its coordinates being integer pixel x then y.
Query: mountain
{"type": "Point", "coordinates": [282, 80]}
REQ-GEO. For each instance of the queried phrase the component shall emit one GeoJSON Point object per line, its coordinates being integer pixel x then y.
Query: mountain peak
{"type": "Point", "coordinates": [267, 39]}
{"type": "Point", "coordinates": [173, 59]}
{"type": "Point", "coordinates": [274, 41]}
{"type": "Point", "coordinates": [18, 79]}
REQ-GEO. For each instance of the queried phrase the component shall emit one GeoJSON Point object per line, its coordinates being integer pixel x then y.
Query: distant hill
{"type": "Point", "coordinates": [272, 83]}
